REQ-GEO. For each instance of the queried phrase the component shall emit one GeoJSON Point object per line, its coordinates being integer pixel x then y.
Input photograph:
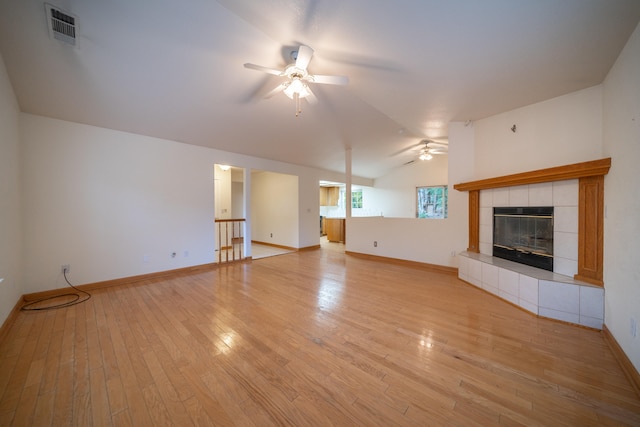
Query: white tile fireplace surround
{"type": "Point", "coordinates": [562, 195]}
{"type": "Point", "coordinates": [549, 294]}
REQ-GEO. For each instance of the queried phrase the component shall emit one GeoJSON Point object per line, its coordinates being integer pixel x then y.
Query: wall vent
{"type": "Point", "coordinates": [62, 25]}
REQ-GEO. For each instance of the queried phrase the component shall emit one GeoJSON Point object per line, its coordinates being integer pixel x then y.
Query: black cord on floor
{"type": "Point", "coordinates": [76, 300]}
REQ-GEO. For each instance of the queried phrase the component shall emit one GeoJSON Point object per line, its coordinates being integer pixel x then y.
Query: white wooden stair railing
{"type": "Point", "coordinates": [230, 233]}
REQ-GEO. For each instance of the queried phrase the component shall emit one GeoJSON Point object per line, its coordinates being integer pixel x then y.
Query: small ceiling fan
{"type": "Point", "coordinates": [426, 149]}
{"type": "Point", "coordinates": [431, 147]}
{"type": "Point", "coordinates": [296, 86]}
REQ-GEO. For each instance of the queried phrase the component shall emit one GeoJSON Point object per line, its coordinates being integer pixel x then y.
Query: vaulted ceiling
{"type": "Point", "coordinates": [174, 69]}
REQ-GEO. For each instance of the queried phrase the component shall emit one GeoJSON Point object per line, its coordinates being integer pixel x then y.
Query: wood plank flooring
{"type": "Point", "coordinates": [311, 338]}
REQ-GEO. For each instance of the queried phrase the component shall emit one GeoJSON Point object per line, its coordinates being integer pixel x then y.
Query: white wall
{"type": "Point", "coordinates": [222, 193]}
{"type": "Point", "coordinates": [621, 136]}
{"type": "Point", "coordinates": [111, 204]}
{"type": "Point", "coordinates": [237, 193]}
{"type": "Point", "coordinates": [556, 132]}
{"type": "Point", "coordinates": [420, 240]}
{"type": "Point", "coordinates": [461, 169]}
{"type": "Point", "coordinates": [10, 199]}
{"type": "Point", "coordinates": [274, 208]}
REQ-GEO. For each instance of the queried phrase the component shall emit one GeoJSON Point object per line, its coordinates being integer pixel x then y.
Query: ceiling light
{"type": "Point", "coordinates": [224, 167]}
{"type": "Point", "coordinates": [297, 90]}
{"type": "Point", "coordinates": [297, 86]}
{"type": "Point", "coordinates": [431, 148]}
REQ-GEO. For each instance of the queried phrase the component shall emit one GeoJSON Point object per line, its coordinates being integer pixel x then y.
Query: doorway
{"type": "Point", "coordinates": [264, 203]}
{"type": "Point", "coordinates": [230, 220]}
{"type": "Point", "coordinates": [274, 211]}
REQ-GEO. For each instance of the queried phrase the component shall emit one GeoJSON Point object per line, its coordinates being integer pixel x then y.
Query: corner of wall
{"type": "Point", "coordinates": [11, 260]}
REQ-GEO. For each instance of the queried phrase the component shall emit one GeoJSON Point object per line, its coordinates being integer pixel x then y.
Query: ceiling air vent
{"type": "Point", "coordinates": [62, 25]}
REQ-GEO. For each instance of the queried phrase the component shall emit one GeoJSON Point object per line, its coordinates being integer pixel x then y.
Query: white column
{"type": "Point", "coordinates": [347, 190]}
{"type": "Point", "coordinates": [247, 211]}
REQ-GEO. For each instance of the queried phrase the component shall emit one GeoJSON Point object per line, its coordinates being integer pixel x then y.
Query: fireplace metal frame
{"type": "Point", "coordinates": [525, 253]}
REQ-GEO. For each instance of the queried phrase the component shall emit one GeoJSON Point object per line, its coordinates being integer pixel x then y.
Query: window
{"type": "Point", "coordinates": [356, 199]}
{"type": "Point", "coordinates": [432, 202]}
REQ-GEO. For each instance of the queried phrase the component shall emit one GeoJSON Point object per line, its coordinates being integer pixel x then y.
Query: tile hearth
{"type": "Point", "coordinates": [538, 291]}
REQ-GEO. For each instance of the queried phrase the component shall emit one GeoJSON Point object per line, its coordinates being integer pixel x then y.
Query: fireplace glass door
{"type": "Point", "coordinates": [524, 235]}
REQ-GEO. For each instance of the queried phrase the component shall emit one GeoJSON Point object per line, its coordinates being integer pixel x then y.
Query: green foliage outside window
{"type": "Point", "coordinates": [356, 199]}
{"type": "Point", "coordinates": [432, 202]}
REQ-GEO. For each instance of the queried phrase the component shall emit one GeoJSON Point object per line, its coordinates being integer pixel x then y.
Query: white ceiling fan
{"type": "Point", "coordinates": [426, 149]}
{"type": "Point", "coordinates": [431, 148]}
{"type": "Point", "coordinates": [296, 86]}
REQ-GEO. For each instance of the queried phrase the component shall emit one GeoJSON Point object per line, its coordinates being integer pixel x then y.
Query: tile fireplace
{"type": "Point", "coordinates": [573, 290]}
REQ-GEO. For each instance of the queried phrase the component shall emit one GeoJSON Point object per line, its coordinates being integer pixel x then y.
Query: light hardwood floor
{"type": "Point", "coordinates": [308, 338]}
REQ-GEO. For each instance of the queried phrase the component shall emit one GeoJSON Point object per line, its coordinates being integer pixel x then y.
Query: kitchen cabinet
{"type": "Point", "coordinates": [329, 196]}
{"type": "Point", "coordinates": [335, 229]}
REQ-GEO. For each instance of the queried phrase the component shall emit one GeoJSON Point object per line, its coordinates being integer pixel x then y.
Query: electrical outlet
{"type": "Point", "coordinates": [453, 253]}
{"type": "Point", "coordinates": [633, 327]}
{"type": "Point", "coordinates": [145, 259]}
{"type": "Point", "coordinates": [65, 268]}
{"type": "Point", "coordinates": [185, 254]}
{"type": "Point", "coordinates": [173, 254]}
{"type": "Point", "coordinates": [271, 235]}
{"type": "Point", "coordinates": [375, 243]}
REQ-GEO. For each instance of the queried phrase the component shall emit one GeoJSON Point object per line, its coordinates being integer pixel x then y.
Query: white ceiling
{"type": "Point", "coordinates": [174, 69]}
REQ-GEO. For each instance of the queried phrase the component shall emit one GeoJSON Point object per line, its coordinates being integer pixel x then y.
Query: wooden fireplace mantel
{"type": "Point", "coordinates": [590, 208]}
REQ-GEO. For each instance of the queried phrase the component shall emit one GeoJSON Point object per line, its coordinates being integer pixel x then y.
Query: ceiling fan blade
{"type": "Point", "coordinates": [411, 148]}
{"type": "Point", "coordinates": [328, 80]}
{"type": "Point", "coordinates": [278, 89]}
{"type": "Point", "coordinates": [264, 69]}
{"type": "Point", "coordinates": [311, 98]}
{"type": "Point", "coordinates": [304, 56]}
{"type": "Point", "coordinates": [436, 142]}
{"type": "Point", "coordinates": [437, 151]}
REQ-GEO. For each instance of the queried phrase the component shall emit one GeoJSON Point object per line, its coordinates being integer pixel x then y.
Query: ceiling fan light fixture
{"type": "Point", "coordinates": [297, 86]}
{"type": "Point", "coordinates": [425, 156]}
